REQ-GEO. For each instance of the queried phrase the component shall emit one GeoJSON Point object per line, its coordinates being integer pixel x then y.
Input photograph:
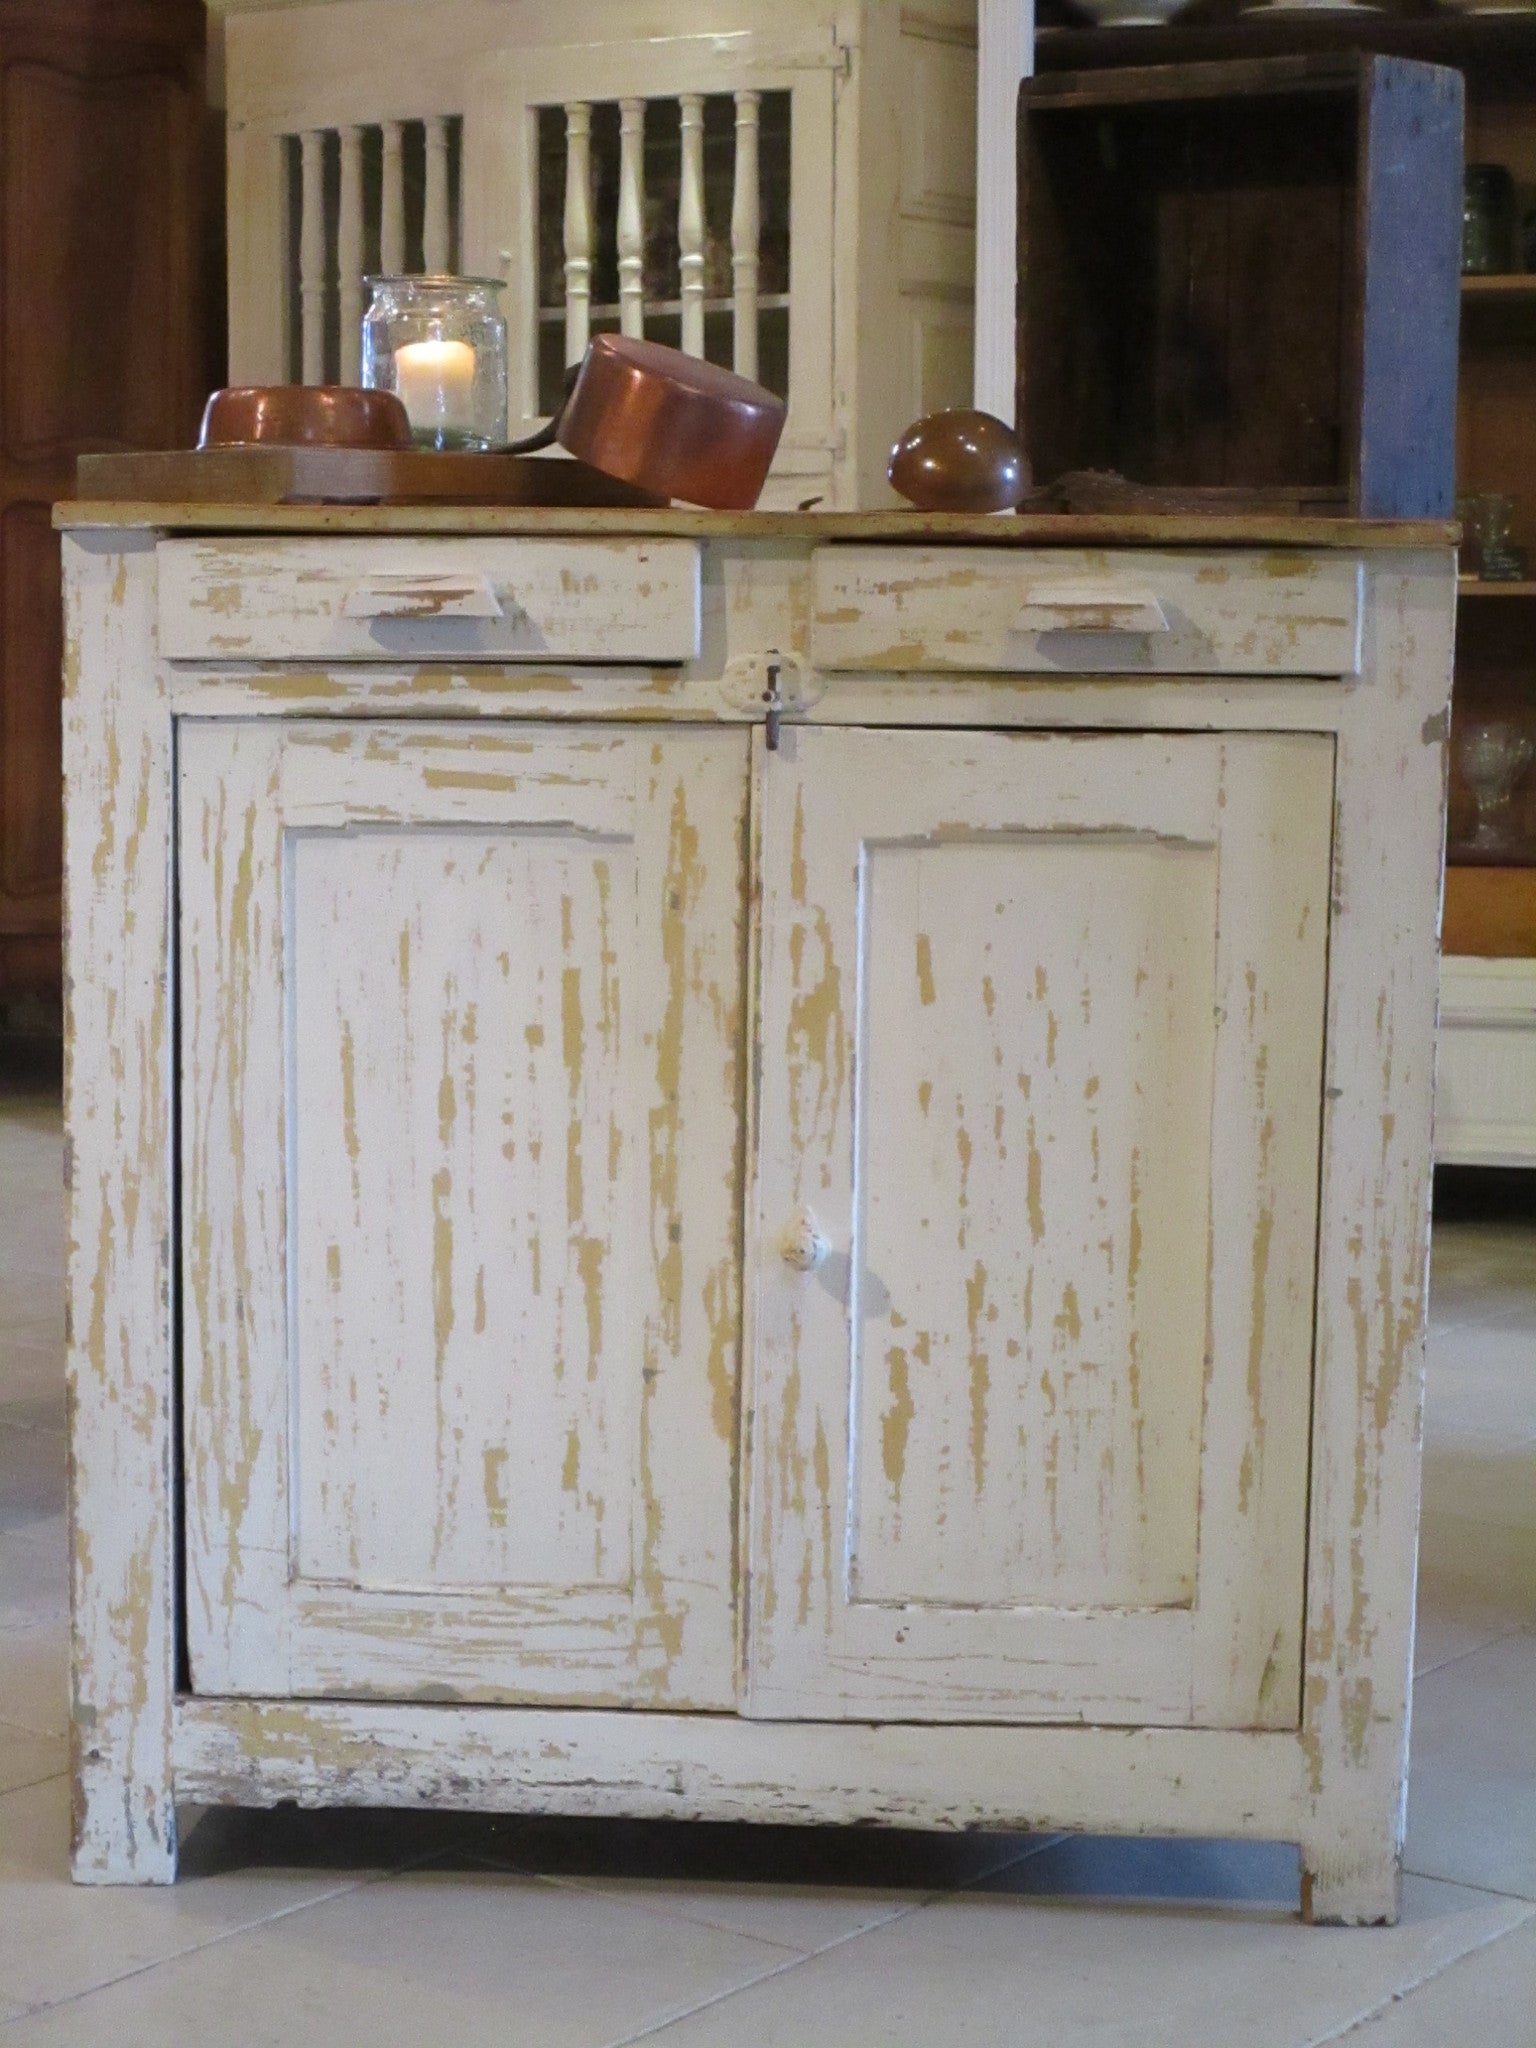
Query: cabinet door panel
{"type": "Point", "coordinates": [461, 1022]}
{"type": "Point", "coordinates": [519, 1434]}
{"type": "Point", "coordinates": [996, 1196]}
{"type": "Point", "coordinates": [1047, 1083]}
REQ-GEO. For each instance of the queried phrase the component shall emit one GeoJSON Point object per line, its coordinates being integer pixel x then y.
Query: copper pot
{"type": "Point", "coordinates": [667, 422]}
{"type": "Point", "coordinates": [304, 416]}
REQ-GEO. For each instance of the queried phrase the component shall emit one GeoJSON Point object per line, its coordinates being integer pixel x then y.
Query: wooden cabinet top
{"type": "Point", "coordinates": [919, 528]}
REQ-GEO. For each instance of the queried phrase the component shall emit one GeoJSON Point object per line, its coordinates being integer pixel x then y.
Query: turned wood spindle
{"type": "Point", "coordinates": [312, 256]}
{"type": "Point", "coordinates": [392, 203]}
{"type": "Point", "coordinates": [434, 224]}
{"type": "Point", "coordinates": [631, 222]}
{"type": "Point", "coordinates": [349, 253]}
{"type": "Point", "coordinates": [746, 231]}
{"type": "Point", "coordinates": [690, 222]}
{"type": "Point", "coordinates": [578, 228]}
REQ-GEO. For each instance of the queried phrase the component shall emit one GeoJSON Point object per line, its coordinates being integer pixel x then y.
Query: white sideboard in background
{"type": "Point", "coordinates": [792, 193]}
{"type": "Point", "coordinates": [1005, 54]}
{"type": "Point", "coordinates": [1485, 1099]}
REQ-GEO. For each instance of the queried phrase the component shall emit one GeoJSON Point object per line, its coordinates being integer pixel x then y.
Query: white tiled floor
{"type": "Point", "coordinates": [405, 1931]}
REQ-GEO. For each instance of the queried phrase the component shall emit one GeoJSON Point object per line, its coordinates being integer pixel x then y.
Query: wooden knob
{"type": "Point", "coordinates": [960, 462]}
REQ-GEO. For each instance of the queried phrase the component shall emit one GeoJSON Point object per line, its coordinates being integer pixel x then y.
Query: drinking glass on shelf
{"type": "Point", "coordinates": [1487, 221]}
{"type": "Point", "coordinates": [1494, 753]}
{"type": "Point", "coordinates": [1469, 556]}
{"type": "Point", "coordinates": [1487, 522]}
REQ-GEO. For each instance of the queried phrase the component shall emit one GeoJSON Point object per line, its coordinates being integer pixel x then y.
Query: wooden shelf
{"type": "Point", "coordinates": [1515, 288]}
{"type": "Point", "coordinates": [1492, 586]}
{"type": "Point", "coordinates": [1500, 48]}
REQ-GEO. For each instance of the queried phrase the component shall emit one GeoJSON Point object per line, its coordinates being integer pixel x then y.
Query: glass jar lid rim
{"type": "Point", "coordinates": [436, 279]}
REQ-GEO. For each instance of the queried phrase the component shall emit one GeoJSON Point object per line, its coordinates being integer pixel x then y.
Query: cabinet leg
{"type": "Point", "coordinates": [1345, 1888]}
{"type": "Point", "coordinates": [122, 1830]}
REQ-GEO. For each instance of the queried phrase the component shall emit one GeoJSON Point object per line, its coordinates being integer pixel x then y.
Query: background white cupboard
{"type": "Point", "coordinates": [826, 201]}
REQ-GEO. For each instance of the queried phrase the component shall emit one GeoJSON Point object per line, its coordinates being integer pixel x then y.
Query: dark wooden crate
{"type": "Point", "coordinates": [1245, 275]}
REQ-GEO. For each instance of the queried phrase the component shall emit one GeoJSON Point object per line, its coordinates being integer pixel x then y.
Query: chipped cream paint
{"type": "Point", "coordinates": [1043, 1509]}
{"type": "Point", "coordinates": [667, 1766]}
{"type": "Point", "coordinates": [959, 609]}
{"type": "Point", "coordinates": [541, 1461]}
{"type": "Point", "coordinates": [1333, 1782]}
{"type": "Point", "coordinates": [371, 600]}
{"type": "Point", "coordinates": [117, 1085]}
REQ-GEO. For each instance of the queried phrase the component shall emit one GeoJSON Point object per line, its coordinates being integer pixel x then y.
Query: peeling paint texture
{"type": "Point", "coordinates": [1062, 994]}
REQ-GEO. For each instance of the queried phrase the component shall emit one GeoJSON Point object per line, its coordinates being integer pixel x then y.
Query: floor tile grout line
{"type": "Point", "coordinates": [1407, 1991]}
{"type": "Point", "coordinates": [31, 1784]}
{"type": "Point", "coordinates": [675, 2019]}
{"type": "Point", "coordinates": [1467, 1884]}
{"type": "Point", "coordinates": [196, 1948]}
{"type": "Point", "coordinates": [1010, 1863]}
{"type": "Point", "coordinates": [931, 1898]}
{"type": "Point", "coordinates": [929, 1894]}
{"type": "Point", "coordinates": [1515, 1628]}
{"type": "Point", "coordinates": [9, 1725]}
{"type": "Point", "coordinates": [594, 1887]}
{"type": "Point", "coordinates": [751, 1984]}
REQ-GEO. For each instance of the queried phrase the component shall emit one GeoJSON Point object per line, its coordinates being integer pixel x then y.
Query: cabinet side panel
{"type": "Point", "coordinates": [1373, 1243]}
{"type": "Point", "coordinates": [117, 744]}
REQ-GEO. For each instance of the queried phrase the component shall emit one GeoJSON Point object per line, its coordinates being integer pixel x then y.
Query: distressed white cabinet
{"type": "Point", "coordinates": [752, 1167]}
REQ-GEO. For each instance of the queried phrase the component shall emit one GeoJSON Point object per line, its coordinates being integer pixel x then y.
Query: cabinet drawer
{"type": "Point", "coordinates": [1045, 611]}
{"type": "Point", "coordinates": [461, 600]}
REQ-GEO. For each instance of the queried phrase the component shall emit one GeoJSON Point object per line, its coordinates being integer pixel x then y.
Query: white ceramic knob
{"type": "Point", "coordinates": [802, 1244]}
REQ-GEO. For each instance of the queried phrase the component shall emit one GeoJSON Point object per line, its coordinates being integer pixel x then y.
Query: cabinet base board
{"type": "Point", "coordinates": [590, 1764]}
{"type": "Point", "coordinates": [581, 1762]}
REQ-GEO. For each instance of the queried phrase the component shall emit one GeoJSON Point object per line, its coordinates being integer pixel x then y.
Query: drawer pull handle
{"type": "Point", "coordinates": [802, 1244]}
{"type": "Point", "coordinates": [422, 597]}
{"type": "Point", "coordinates": [1085, 607]}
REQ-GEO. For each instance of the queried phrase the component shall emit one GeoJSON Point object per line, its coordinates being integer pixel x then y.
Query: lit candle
{"type": "Point", "coordinates": [435, 381]}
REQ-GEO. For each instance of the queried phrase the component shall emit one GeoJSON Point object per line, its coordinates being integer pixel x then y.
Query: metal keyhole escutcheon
{"type": "Point", "coordinates": [775, 707]}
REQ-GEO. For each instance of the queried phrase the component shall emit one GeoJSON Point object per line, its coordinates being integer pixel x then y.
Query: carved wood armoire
{"type": "Point", "coordinates": [105, 191]}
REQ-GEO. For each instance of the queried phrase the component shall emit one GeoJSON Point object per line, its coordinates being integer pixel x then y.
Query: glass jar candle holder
{"type": "Point", "coordinates": [440, 344]}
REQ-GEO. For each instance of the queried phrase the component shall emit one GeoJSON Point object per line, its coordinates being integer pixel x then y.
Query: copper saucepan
{"type": "Point", "coordinates": [668, 422]}
{"type": "Point", "coordinates": [304, 416]}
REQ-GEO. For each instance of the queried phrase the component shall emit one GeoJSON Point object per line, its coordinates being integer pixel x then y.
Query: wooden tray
{"type": "Point", "coordinates": [348, 476]}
